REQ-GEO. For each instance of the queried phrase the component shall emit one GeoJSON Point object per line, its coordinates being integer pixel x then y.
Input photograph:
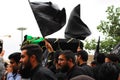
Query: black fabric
{"type": "Point", "coordinates": [42, 73]}
{"type": "Point", "coordinates": [57, 43]}
{"type": "Point", "coordinates": [48, 16]}
{"type": "Point", "coordinates": [116, 50]}
{"type": "Point", "coordinates": [96, 71]}
{"type": "Point", "coordinates": [75, 71]}
{"type": "Point", "coordinates": [64, 44]}
{"type": "Point", "coordinates": [76, 28]}
{"type": "Point", "coordinates": [59, 75]}
{"type": "Point", "coordinates": [97, 49]}
{"type": "Point", "coordinates": [87, 69]}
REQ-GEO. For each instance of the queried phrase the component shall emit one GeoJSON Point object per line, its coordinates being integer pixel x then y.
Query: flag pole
{"type": "Point", "coordinates": [97, 48]}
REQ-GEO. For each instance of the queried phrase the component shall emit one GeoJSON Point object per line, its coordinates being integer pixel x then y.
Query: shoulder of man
{"type": "Point", "coordinates": [45, 72]}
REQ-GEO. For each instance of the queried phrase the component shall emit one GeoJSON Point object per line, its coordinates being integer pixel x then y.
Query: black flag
{"type": "Point", "coordinates": [97, 49]}
{"type": "Point", "coordinates": [76, 28]}
{"type": "Point", "coordinates": [49, 18]}
{"type": "Point", "coordinates": [116, 50]}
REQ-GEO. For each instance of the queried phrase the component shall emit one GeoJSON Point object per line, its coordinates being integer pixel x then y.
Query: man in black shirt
{"type": "Point", "coordinates": [82, 57]}
{"type": "Point", "coordinates": [66, 61]}
{"type": "Point", "coordinates": [31, 56]}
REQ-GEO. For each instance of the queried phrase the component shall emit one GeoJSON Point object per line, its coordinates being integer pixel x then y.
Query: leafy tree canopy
{"type": "Point", "coordinates": [110, 29]}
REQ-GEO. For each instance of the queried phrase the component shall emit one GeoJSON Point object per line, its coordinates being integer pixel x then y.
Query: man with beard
{"type": "Point", "coordinates": [31, 56]}
{"type": "Point", "coordinates": [66, 61]}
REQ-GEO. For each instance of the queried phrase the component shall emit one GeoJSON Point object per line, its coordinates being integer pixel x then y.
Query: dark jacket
{"type": "Point", "coordinates": [59, 75]}
{"type": "Point", "coordinates": [88, 70]}
{"type": "Point", "coordinates": [96, 71]}
{"type": "Point", "coordinates": [75, 71]}
{"type": "Point", "coordinates": [42, 73]}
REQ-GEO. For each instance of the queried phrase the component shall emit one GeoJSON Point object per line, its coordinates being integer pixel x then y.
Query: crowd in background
{"type": "Point", "coordinates": [32, 63]}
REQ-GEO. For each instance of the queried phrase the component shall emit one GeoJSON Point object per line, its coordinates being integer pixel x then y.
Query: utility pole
{"type": "Point", "coordinates": [21, 29]}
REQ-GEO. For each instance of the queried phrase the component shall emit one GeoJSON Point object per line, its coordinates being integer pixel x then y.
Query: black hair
{"type": "Point", "coordinates": [108, 71]}
{"type": "Point", "coordinates": [68, 55]}
{"type": "Point", "coordinates": [83, 54]}
{"type": "Point", "coordinates": [113, 57]}
{"type": "Point", "coordinates": [34, 49]}
{"type": "Point", "coordinates": [94, 62]}
{"type": "Point", "coordinates": [100, 58]}
{"type": "Point", "coordinates": [56, 55]}
{"type": "Point", "coordinates": [15, 56]}
{"type": "Point", "coordinates": [5, 64]}
{"type": "Point", "coordinates": [81, 45]}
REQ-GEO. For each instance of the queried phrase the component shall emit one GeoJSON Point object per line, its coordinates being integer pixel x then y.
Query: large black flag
{"type": "Point", "coordinates": [48, 16]}
{"type": "Point", "coordinates": [97, 49]}
{"type": "Point", "coordinates": [76, 28]}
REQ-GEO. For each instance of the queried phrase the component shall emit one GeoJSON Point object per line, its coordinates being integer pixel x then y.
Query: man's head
{"type": "Point", "coordinates": [66, 60]}
{"type": "Point", "coordinates": [14, 58]}
{"type": "Point", "coordinates": [112, 58]}
{"type": "Point", "coordinates": [82, 55]}
{"type": "Point", "coordinates": [109, 71]}
{"type": "Point", "coordinates": [14, 61]}
{"type": "Point", "coordinates": [100, 58]}
{"type": "Point", "coordinates": [31, 55]}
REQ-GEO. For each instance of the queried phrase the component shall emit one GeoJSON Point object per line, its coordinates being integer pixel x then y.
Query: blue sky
{"type": "Point", "coordinates": [17, 13]}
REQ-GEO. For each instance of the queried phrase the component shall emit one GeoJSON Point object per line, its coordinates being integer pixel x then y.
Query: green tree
{"type": "Point", "coordinates": [110, 29]}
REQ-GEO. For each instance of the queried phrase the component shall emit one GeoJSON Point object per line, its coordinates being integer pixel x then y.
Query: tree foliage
{"type": "Point", "coordinates": [110, 29]}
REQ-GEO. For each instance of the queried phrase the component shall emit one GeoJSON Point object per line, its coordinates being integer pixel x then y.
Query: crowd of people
{"type": "Point", "coordinates": [32, 64]}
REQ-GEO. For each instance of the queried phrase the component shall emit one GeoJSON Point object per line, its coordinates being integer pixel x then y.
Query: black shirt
{"type": "Point", "coordinates": [75, 71]}
{"type": "Point", "coordinates": [88, 69]}
{"type": "Point", "coordinates": [42, 73]}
